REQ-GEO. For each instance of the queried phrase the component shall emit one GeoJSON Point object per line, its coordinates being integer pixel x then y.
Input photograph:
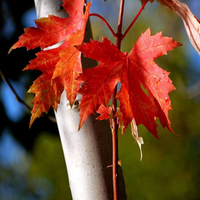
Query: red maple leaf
{"type": "Point", "coordinates": [53, 29]}
{"type": "Point", "coordinates": [60, 66]}
{"type": "Point", "coordinates": [104, 112]}
{"type": "Point", "coordinates": [144, 86]}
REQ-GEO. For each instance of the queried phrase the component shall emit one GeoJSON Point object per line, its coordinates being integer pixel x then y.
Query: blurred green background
{"type": "Point", "coordinates": [31, 160]}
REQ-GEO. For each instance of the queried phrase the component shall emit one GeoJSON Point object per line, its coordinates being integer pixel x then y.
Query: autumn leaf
{"type": "Point", "coordinates": [104, 112]}
{"type": "Point", "coordinates": [69, 66]}
{"type": "Point", "coordinates": [144, 86]}
{"type": "Point", "coordinates": [47, 95]}
{"type": "Point", "coordinates": [53, 29]}
{"type": "Point", "coordinates": [60, 66]}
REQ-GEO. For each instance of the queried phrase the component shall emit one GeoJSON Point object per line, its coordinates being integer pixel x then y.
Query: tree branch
{"type": "Point", "coordinates": [14, 92]}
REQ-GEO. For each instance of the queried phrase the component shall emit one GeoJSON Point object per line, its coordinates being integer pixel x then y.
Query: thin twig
{"type": "Point", "coordinates": [14, 92]}
{"type": "Point", "coordinates": [114, 110]}
{"type": "Point", "coordinates": [51, 118]}
{"type": "Point", "coordinates": [138, 14]}
{"type": "Point", "coordinates": [107, 24]}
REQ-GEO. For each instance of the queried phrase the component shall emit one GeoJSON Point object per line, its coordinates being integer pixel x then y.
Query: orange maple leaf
{"type": "Point", "coordinates": [60, 66]}
{"type": "Point", "coordinates": [53, 29]}
{"type": "Point", "coordinates": [104, 112]}
{"type": "Point", "coordinates": [144, 86]}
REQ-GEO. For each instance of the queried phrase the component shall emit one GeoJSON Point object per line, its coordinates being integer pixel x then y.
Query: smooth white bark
{"type": "Point", "coordinates": [87, 152]}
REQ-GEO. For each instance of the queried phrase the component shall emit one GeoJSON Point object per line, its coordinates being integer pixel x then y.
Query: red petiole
{"type": "Point", "coordinates": [136, 17]}
{"type": "Point", "coordinates": [114, 124]}
{"type": "Point", "coordinates": [128, 29]}
{"type": "Point", "coordinates": [107, 24]}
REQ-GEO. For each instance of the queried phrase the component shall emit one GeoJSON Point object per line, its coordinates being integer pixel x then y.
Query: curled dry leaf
{"type": "Point", "coordinates": [191, 23]}
{"type": "Point", "coordinates": [137, 138]}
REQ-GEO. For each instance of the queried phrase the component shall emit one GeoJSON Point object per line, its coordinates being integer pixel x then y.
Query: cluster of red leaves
{"type": "Point", "coordinates": [143, 95]}
{"type": "Point", "coordinates": [137, 72]}
{"type": "Point", "coordinates": [60, 66]}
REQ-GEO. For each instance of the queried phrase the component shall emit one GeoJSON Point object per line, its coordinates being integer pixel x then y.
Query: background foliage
{"type": "Point", "coordinates": [31, 160]}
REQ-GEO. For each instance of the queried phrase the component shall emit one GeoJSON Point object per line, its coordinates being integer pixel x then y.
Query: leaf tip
{"type": "Point", "coordinates": [81, 122]}
{"type": "Point", "coordinates": [79, 126]}
{"type": "Point", "coordinates": [31, 122]}
{"type": "Point", "coordinates": [179, 44]}
{"type": "Point", "coordinates": [10, 50]}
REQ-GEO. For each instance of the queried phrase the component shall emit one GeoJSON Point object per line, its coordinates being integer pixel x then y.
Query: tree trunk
{"type": "Point", "coordinates": [87, 152]}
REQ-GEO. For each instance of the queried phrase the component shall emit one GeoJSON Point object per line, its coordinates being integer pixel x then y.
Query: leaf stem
{"type": "Point", "coordinates": [115, 125]}
{"type": "Point", "coordinates": [51, 118]}
{"type": "Point", "coordinates": [119, 30]}
{"type": "Point", "coordinates": [136, 17]}
{"type": "Point", "coordinates": [107, 24]}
